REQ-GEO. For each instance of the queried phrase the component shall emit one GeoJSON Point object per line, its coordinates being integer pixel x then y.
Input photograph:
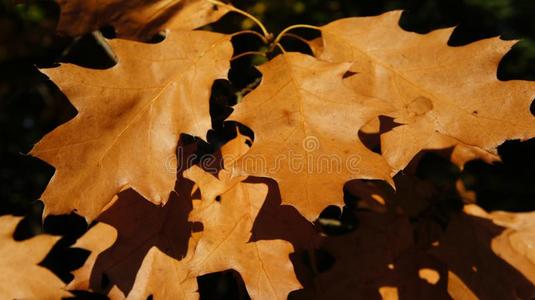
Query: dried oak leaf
{"type": "Point", "coordinates": [140, 249]}
{"type": "Point", "coordinates": [273, 221]}
{"type": "Point", "coordinates": [306, 123]}
{"type": "Point", "coordinates": [96, 240]}
{"type": "Point", "coordinates": [516, 244]}
{"type": "Point", "coordinates": [443, 96]}
{"type": "Point", "coordinates": [224, 243]}
{"type": "Point", "coordinates": [470, 261]}
{"type": "Point", "coordinates": [135, 19]}
{"type": "Point", "coordinates": [129, 121]}
{"type": "Point", "coordinates": [234, 150]}
{"type": "Point", "coordinates": [377, 261]}
{"type": "Point", "coordinates": [478, 260]}
{"type": "Point", "coordinates": [164, 277]}
{"type": "Point", "coordinates": [21, 276]}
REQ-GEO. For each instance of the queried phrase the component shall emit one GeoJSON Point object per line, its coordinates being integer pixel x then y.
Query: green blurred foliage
{"type": "Point", "coordinates": [26, 28]}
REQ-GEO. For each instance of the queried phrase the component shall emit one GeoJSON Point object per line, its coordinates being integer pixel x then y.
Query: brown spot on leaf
{"type": "Point", "coordinates": [288, 117]}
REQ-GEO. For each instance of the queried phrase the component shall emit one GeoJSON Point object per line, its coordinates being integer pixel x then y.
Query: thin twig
{"type": "Point", "coordinates": [101, 41]}
{"type": "Point", "coordinates": [297, 37]}
{"type": "Point", "coordinates": [280, 47]}
{"type": "Point", "coordinates": [248, 53]}
{"type": "Point", "coordinates": [278, 38]}
{"type": "Point", "coordinates": [263, 38]}
{"type": "Point", "coordinates": [267, 35]}
{"type": "Point", "coordinates": [251, 86]}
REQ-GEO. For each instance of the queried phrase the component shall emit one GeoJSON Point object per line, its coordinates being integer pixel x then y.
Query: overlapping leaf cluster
{"type": "Point", "coordinates": [116, 161]}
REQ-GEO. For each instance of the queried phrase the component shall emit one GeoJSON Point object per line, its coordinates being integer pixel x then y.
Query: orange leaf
{"type": "Point", "coordinates": [472, 249]}
{"type": "Point", "coordinates": [225, 242]}
{"type": "Point", "coordinates": [516, 244]}
{"type": "Point", "coordinates": [135, 19]}
{"type": "Point", "coordinates": [129, 121]}
{"type": "Point", "coordinates": [444, 96]}
{"type": "Point", "coordinates": [21, 276]}
{"type": "Point", "coordinates": [140, 249]}
{"type": "Point", "coordinates": [306, 123]}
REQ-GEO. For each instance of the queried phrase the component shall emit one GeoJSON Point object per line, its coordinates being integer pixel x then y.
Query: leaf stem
{"type": "Point", "coordinates": [267, 35]}
{"type": "Point", "coordinates": [251, 86]}
{"type": "Point", "coordinates": [295, 36]}
{"type": "Point", "coordinates": [279, 37]}
{"type": "Point", "coordinates": [263, 38]}
{"type": "Point", "coordinates": [280, 47]}
{"type": "Point", "coordinates": [101, 40]}
{"type": "Point", "coordinates": [248, 53]}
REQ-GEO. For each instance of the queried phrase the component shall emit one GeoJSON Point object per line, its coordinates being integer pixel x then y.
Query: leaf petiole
{"type": "Point", "coordinates": [287, 29]}
{"type": "Point", "coordinates": [267, 35]}
{"type": "Point", "coordinates": [280, 47]}
{"type": "Point", "coordinates": [263, 38]}
{"type": "Point", "coordinates": [248, 53]}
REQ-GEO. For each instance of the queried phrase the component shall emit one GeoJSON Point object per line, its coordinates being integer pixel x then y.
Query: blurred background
{"type": "Point", "coordinates": [31, 106]}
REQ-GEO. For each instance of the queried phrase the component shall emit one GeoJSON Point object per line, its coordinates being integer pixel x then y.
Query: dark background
{"type": "Point", "coordinates": [31, 106]}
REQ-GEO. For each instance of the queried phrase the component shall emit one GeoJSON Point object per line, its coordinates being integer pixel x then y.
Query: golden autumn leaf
{"type": "Point", "coordinates": [316, 46]}
{"type": "Point", "coordinates": [152, 279]}
{"type": "Point", "coordinates": [225, 242]}
{"type": "Point", "coordinates": [316, 125]}
{"type": "Point", "coordinates": [516, 244]}
{"type": "Point", "coordinates": [306, 123]}
{"type": "Point", "coordinates": [21, 277]}
{"type": "Point", "coordinates": [376, 261]}
{"type": "Point", "coordinates": [274, 221]}
{"type": "Point", "coordinates": [135, 19]}
{"type": "Point", "coordinates": [140, 249]}
{"type": "Point", "coordinates": [164, 277]}
{"type": "Point", "coordinates": [383, 252]}
{"type": "Point", "coordinates": [96, 240]}
{"type": "Point", "coordinates": [472, 247]}
{"type": "Point", "coordinates": [157, 249]}
{"type": "Point", "coordinates": [443, 96]}
{"type": "Point", "coordinates": [129, 120]}
{"type": "Point", "coordinates": [234, 150]}
{"type": "Point", "coordinates": [151, 243]}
